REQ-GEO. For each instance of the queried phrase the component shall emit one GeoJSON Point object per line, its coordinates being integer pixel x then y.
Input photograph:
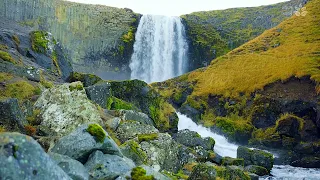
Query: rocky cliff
{"type": "Point", "coordinates": [99, 39]}
{"type": "Point", "coordinates": [215, 33]}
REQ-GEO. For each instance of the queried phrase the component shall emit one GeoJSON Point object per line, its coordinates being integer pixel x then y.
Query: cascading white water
{"type": "Point", "coordinates": [160, 49]}
{"type": "Point", "coordinates": [224, 148]}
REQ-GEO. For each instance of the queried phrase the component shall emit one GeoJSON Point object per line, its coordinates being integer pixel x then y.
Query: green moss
{"type": "Point", "coordinates": [54, 58]}
{"type": "Point", "coordinates": [77, 87]}
{"type": "Point", "coordinates": [138, 173]}
{"type": "Point", "coordinates": [147, 137]}
{"type": "Point", "coordinates": [114, 103]}
{"type": "Point", "coordinates": [178, 176]}
{"type": "Point", "coordinates": [20, 90]}
{"type": "Point", "coordinates": [234, 124]}
{"type": "Point", "coordinates": [129, 37]}
{"type": "Point", "coordinates": [286, 116]}
{"type": "Point", "coordinates": [34, 119]}
{"type": "Point", "coordinates": [16, 39]}
{"type": "Point", "coordinates": [228, 161]}
{"type": "Point", "coordinates": [44, 82]}
{"type": "Point", "coordinates": [5, 76]}
{"type": "Point", "coordinates": [6, 57]}
{"type": "Point", "coordinates": [3, 47]}
{"type": "Point", "coordinates": [139, 156]}
{"type": "Point", "coordinates": [86, 79]}
{"type": "Point", "coordinates": [97, 131]}
{"type": "Point", "coordinates": [39, 41]}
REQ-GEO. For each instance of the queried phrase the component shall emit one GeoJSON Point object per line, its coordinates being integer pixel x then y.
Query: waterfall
{"type": "Point", "coordinates": [225, 148]}
{"type": "Point", "coordinates": [160, 49]}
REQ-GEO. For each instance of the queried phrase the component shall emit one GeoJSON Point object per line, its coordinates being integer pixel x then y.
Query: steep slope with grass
{"type": "Point", "coordinates": [273, 78]}
{"type": "Point", "coordinates": [215, 33]}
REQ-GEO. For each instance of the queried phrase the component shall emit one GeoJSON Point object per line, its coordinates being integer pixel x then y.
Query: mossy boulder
{"type": "Point", "coordinates": [312, 161]}
{"type": "Point", "coordinates": [132, 150]}
{"type": "Point", "coordinates": [138, 173]}
{"type": "Point", "coordinates": [255, 157]}
{"type": "Point", "coordinates": [12, 118]}
{"type": "Point", "coordinates": [258, 170]}
{"type": "Point", "coordinates": [203, 172]}
{"type": "Point", "coordinates": [193, 139]}
{"type": "Point", "coordinates": [149, 101]}
{"type": "Point", "coordinates": [86, 79]}
{"type": "Point", "coordinates": [97, 131]}
{"type": "Point", "coordinates": [228, 161]}
{"type": "Point", "coordinates": [290, 125]}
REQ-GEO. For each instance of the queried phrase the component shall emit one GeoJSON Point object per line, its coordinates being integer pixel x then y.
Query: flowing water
{"type": "Point", "coordinates": [160, 49]}
{"type": "Point", "coordinates": [225, 148]}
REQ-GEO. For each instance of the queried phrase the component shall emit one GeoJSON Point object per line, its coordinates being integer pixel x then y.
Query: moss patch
{"type": "Point", "coordinates": [5, 76]}
{"type": "Point", "coordinates": [76, 87]}
{"type": "Point", "coordinates": [138, 173]}
{"type": "Point", "coordinates": [97, 131]}
{"type": "Point", "coordinates": [20, 90]}
{"type": "Point", "coordinates": [114, 103]}
{"type": "Point", "coordinates": [16, 39]}
{"type": "Point", "coordinates": [34, 119]}
{"type": "Point", "coordinates": [147, 137]}
{"type": "Point", "coordinates": [39, 41]}
{"type": "Point", "coordinates": [6, 57]}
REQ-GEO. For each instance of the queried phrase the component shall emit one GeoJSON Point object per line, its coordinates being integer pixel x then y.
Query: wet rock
{"type": "Point", "coordinates": [107, 166]}
{"type": "Point", "coordinates": [21, 157]}
{"type": "Point", "coordinates": [290, 126]}
{"type": "Point", "coordinates": [12, 118]}
{"type": "Point", "coordinates": [203, 171]}
{"type": "Point", "coordinates": [307, 162]}
{"type": "Point", "coordinates": [255, 157]}
{"type": "Point", "coordinates": [65, 107]}
{"type": "Point", "coordinates": [193, 139]}
{"type": "Point", "coordinates": [73, 168]}
{"type": "Point", "coordinates": [259, 170]}
{"type": "Point", "coordinates": [80, 144]}
{"type": "Point", "coordinates": [130, 129]}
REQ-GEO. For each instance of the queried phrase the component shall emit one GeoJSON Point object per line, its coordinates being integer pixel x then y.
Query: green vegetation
{"type": "Point", "coordinates": [228, 161]}
{"type": "Point", "coordinates": [44, 82]}
{"type": "Point", "coordinates": [39, 41]}
{"type": "Point", "coordinates": [286, 116]}
{"type": "Point", "coordinates": [2, 129]}
{"type": "Point", "coordinates": [16, 39]}
{"type": "Point", "coordinates": [114, 103]}
{"type": "Point", "coordinates": [97, 131]}
{"type": "Point", "coordinates": [136, 150]}
{"type": "Point", "coordinates": [34, 119]}
{"type": "Point", "coordinates": [21, 90]}
{"type": "Point", "coordinates": [3, 47]}
{"type": "Point", "coordinates": [129, 37]}
{"type": "Point", "coordinates": [147, 137]}
{"type": "Point", "coordinates": [5, 76]}
{"type": "Point", "coordinates": [54, 58]}
{"type": "Point", "coordinates": [6, 57]}
{"type": "Point", "coordinates": [138, 173]}
{"type": "Point", "coordinates": [77, 87]}
{"type": "Point", "coordinates": [86, 79]}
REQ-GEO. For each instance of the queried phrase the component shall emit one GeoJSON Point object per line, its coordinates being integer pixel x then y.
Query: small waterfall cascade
{"type": "Point", "coordinates": [225, 148]}
{"type": "Point", "coordinates": [160, 49]}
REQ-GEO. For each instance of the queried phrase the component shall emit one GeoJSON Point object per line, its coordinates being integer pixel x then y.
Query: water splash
{"type": "Point", "coordinates": [160, 49]}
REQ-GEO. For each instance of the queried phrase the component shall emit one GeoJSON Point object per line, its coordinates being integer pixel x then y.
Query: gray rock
{"type": "Point", "coordinates": [259, 170]}
{"type": "Point", "coordinates": [21, 157]}
{"type": "Point", "coordinates": [80, 144]}
{"type": "Point", "coordinates": [157, 175]}
{"type": "Point", "coordinates": [70, 166]}
{"type": "Point", "coordinates": [253, 176]}
{"type": "Point", "coordinates": [255, 157]}
{"type": "Point", "coordinates": [203, 171]}
{"type": "Point", "coordinates": [12, 118]}
{"type": "Point", "coordinates": [135, 116]}
{"type": "Point", "coordinates": [130, 129]}
{"type": "Point", "coordinates": [132, 150]}
{"type": "Point", "coordinates": [193, 139]}
{"type": "Point", "coordinates": [99, 93]}
{"type": "Point", "coordinates": [106, 166]}
{"type": "Point", "coordinates": [31, 73]}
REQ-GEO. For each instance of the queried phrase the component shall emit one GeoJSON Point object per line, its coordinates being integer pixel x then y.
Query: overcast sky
{"type": "Point", "coordinates": [178, 7]}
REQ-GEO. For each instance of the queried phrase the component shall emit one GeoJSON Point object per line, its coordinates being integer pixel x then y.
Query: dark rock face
{"type": "Point", "coordinates": [193, 139]}
{"type": "Point", "coordinates": [99, 93]}
{"type": "Point", "coordinates": [106, 166]}
{"type": "Point", "coordinates": [12, 118]}
{"type": "Point", "coordinates": [289, 127]}
{"type": "Point", "coordinates": [80, 144]}
{"type": "Point", "coordinates": [255, 157]}
{"type": "Point", "coordinates": [308, 162]}
{"type": "Point", "coordinates": [103, 48]}
{"type": "Point", "coordinates": [22, 157]}
{"type": "Point", "coordinates": [70, 166]}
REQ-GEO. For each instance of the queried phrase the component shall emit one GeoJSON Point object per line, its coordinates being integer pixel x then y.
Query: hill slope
{"type": "Point", "coordinates": [248, 93]}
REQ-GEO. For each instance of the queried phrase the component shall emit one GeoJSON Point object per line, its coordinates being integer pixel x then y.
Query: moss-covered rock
{"type": "Point", "coordinates": [132, 150]}
{"type": "Point", "coordinates": [86, 79]}
{"type": "Point", "coordinates": [148, 101]}
{"type": "Point", "coordinates": [147, 137]}
{"type": "Point", "coordinates": [203, 172]}
{"type": "Point", "coordinates": [138, 173]}
{"type": "Point", "coordinates": [22, 90]}
{"type": "Point", "coordinates": [289, 125]}
{"type": "Point", "coordinates": [259, 170]}
{"type": "Point", "coordinates": [6, 57]}
{"type": "Point", "coordinates": [228, 161]}
{"type": "Point", "coordinates": [97, 131]}
{"type": "Point", "coordinates": [193, 139]}
{"type": "Point", "coordinates": [255, 157]}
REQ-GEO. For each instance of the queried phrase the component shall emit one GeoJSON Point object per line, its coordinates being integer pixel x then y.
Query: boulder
{"type": "Point", "coordinates": [126, 115]}
{"type": "Point", "coordinates": [203, 171]}
{"type": "Point", "coordinates": [73, 168]}
{"type": "Point", "coordinates": [99, 93]}
{"type": "Point", "coordinates": [289, 126]}
{"type": "Point", "coordinates": [193, 139]}
{"type": "Point", "coordinates": [12, 118]}
{"type": "Point", "coordinates": [149, 171]}
{"type": "Point", "coordinates": [228, 161]}
{"type": "Point", "coordinates": [131, 129]}
{"type": "Point", "coordinates": [258, 170]}
{"type": "Point", "coordinates": [107, 166]}
{"type": "Point", "coordinates": [86, 79]}
{"type": "Point", "coordinates": [255, 157]}
{"type": "Point", "coordinates": [307, 162]}
{"type": "Point", "coordinates": [65, 107]}
{"type": "Point", "coordinates": [21, 157]}
{"type": "Point", "coordinates": [132, 150]}
{"type": "Point", "coordinates": [81, 143]}
{"type": "Point", "coordinates": [162, 153]}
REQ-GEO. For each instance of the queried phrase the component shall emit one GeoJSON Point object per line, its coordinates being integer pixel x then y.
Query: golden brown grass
{"type": "Point", "coordinates": [290, 49]}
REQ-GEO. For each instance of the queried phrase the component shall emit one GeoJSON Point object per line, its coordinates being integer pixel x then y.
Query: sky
{"type": "Point", "coordinates": [178, 7]}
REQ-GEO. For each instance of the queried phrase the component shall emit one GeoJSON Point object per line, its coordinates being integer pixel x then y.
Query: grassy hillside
{"type": "Point", "coordinates": [215, 33]}
{"type": "Point", "coordinates": [290, 49]}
